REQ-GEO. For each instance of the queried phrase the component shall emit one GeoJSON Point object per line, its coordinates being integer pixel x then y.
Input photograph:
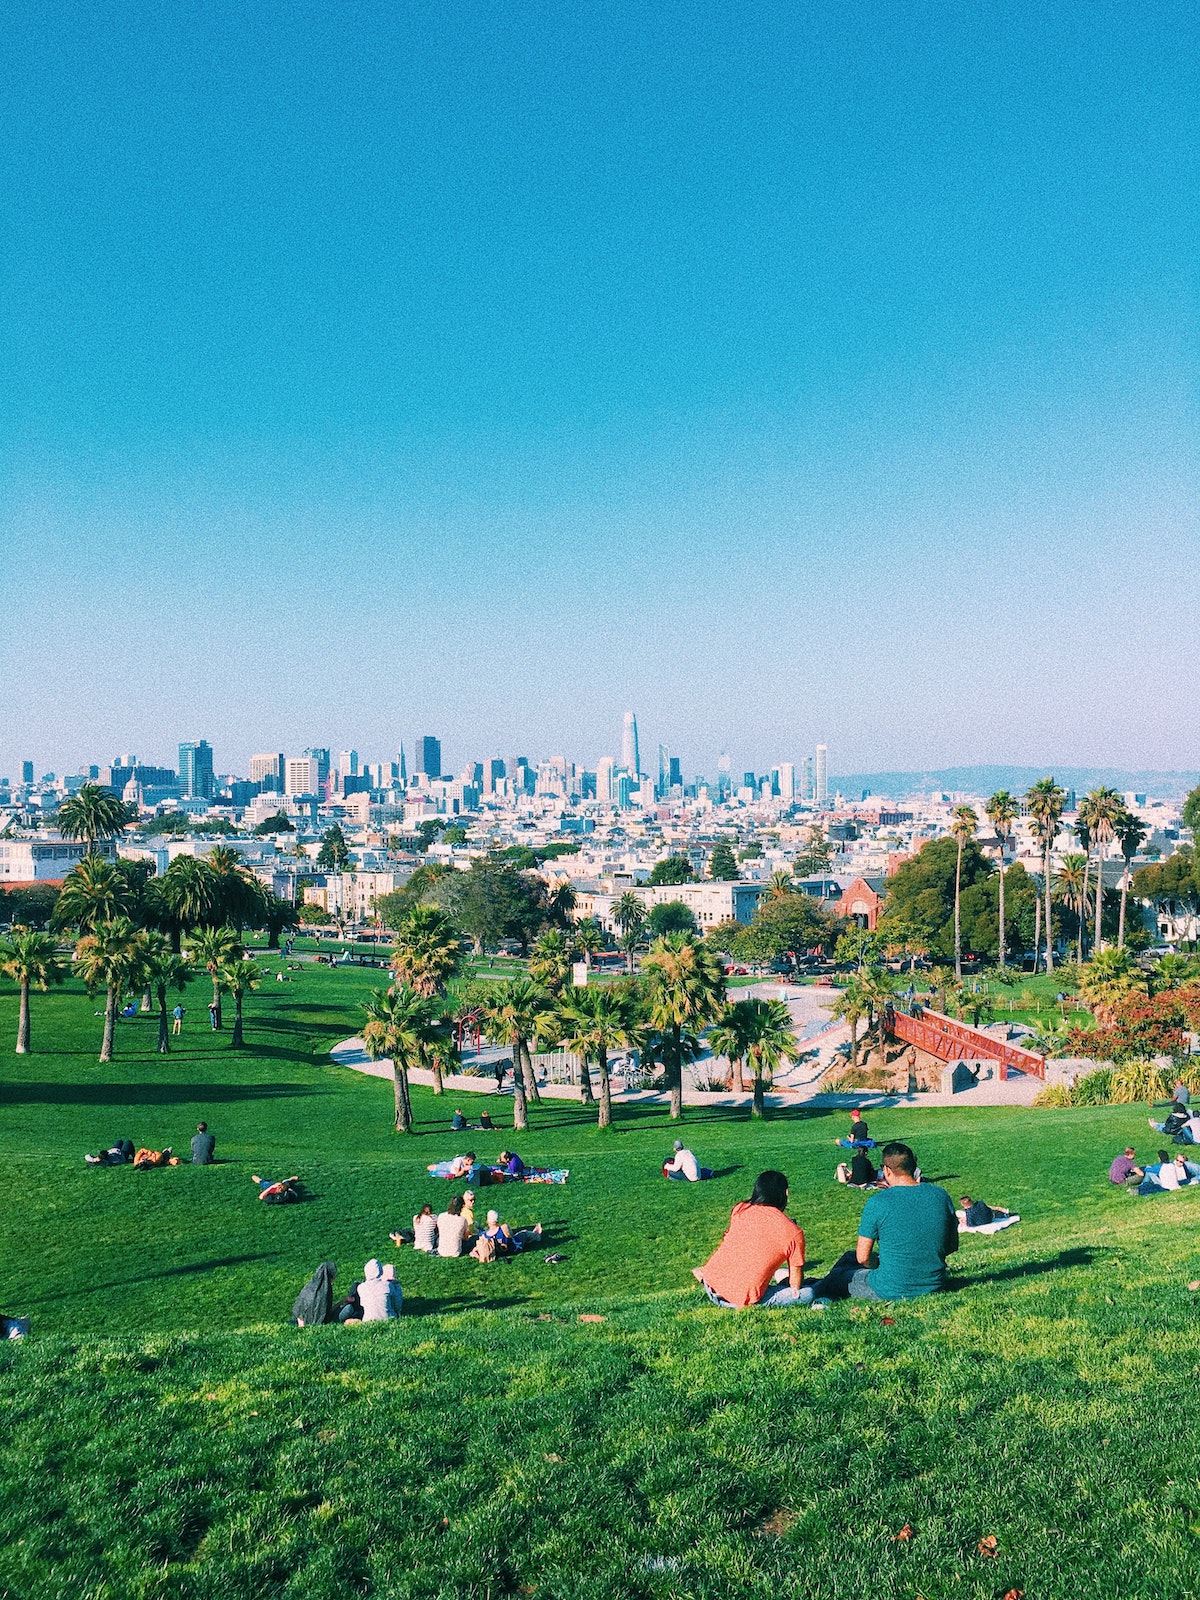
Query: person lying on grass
{"type": "Point", "coordinates": [1124, 1168]}
{"type": "Point", "coordinates": [154, 1158]}
{"type": "Point", "coordinates": [460, 1166]}
{"type": "Point", "coordinates": [117, 1155]}
{"type": "Point", "coordinates": [683, 1164]}
{"type": "Point", "coordinates": [915, 1228]}
{"type": "Point", "coordinates": [759, 1240]}
{"type": "Point", "coordinates": [276, 1191]}
{"type": "Point", "coordinates": [1176, 1119]}
{"type": "Point", "coordinates": [506, 1241]}
{"type": "Point", "coordinates": [1172, 1172]}
{"type": "Point", "coordinates": [977, 1214]}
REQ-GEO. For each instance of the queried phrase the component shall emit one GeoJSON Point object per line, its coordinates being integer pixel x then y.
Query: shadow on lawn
{"type": "Point", "coordinates": [1081, 1256]}
{"type": "Point", "coordinates": [144, 1094]}
{"type": "Point", "coordinates": [187, 1270]}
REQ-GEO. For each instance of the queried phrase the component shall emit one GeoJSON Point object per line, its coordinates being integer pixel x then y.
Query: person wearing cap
{"type": "Point", "coordinates": [685, 1165]}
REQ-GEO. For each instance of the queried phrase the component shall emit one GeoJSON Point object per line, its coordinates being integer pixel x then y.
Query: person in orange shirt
{"type": "Point", "coordinates": [759, 1240]}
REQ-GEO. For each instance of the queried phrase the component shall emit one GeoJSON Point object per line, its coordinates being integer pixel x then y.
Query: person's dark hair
{"type": "Point", "coordinates": [471, 1157]}
{"type": "Point", "coordinates": [1129, 1150]}
{"type": "Point", "coordinates": [770, 1189]}
{"type": "Point", "coordinates": [1163, 1155]}
{"type": "Point", "coordinates": [965, 1201]}
{"type": "Point", "coordinates": [202, 1127]}
{"type": "Point", "coordinates": [426, 1210]}
{"type": "Point", "coordinates": [455, 1206]}
{"type": "Point", "coordinates": [899, 1158]}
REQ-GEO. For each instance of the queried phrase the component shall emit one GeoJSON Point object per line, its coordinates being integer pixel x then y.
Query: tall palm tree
{"type": "Point", "coordinates": [851, 1006]}
{"type": "Point", "coordinates": [589, 937]}
{"type": "Point", "coordinates": [1104, 808]}
{"type": "Point", "coordinates": [685, 988]}
{"type": "Point", "coordinates": [111, 954]}
{"type": "Point", "coordinates": [214, 949]}
{"type": "Point", "coordinates": [190, 896]}
{"type": "Point", "coordinates": [779, 885]}
{"type": "Point", "coordinates": [95, 891]}
{"type": "Point", "coordinates": [164, 969]}
{"type": "Point", "coordinates": [1131, 835]}
{"type": "Point", "coordinates": [426, 950]}
{"type": "Point", "coordinates": [1083, 834]}
{"type": "Point", "coordinates": [560, 903]}
{"type": "Point", "coordinates": [240, 977]}
{"type": "Point", "coordinates": [595, 1021]}
{"type": "Point", "coordinates": [1108, 977]}
{"type": "Point", "coordinates": [241, 901]}
{"type": "Point", "coordinates": [725, 1039]}
{"type": "Point", "coordinates": [31, 961]}
{"type": "Point", "coordinates": [963, 828]}
{"type": "Point", "coordinates": [92, 814]}
{"type": "Point", "coordinates": [1045, 801]}
{"type": "Point", "coordinates": [550, 961]}
{"type": "Point", "coordinates": [630, 916]}
{"type": "Point", "coordinates": [403, 1026]}
{"type": "Point", "coordinates": [1002, 811]}
{"type": "Point", "coordinates": [512, 1015]}
{"type": "Point", "coordinates": [768, 1039]}
{"type": "Point", "coordinates": [1070, 885]}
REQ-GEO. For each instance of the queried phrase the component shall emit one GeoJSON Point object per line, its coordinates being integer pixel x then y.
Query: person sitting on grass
{"type": "Point", "coordinates": [512, 1165]}
{"type": "Point", "coordinates": [379, 1294]}
{"type": "Point", "coordinates": [1172, 1173]}
{"type": "Point", "coordinates": [1124, 1168]}
{"type": "Point", "coordinates": [859, 1173]}
{"type": "Point", "coordinates": [468, 1209]}
{"type": "Point", "coordinates": [759, 1241]}
{"type": "Point", "coordinates": [683, 1164]}
{"type": "Point", "coordinates": [508, 1241]}
{"type": "Point", "coordinates": [452, 1229]}
{"type": "Point", "coordinates": [1176, 1119]}
{"type": "Point", "coordinates": [915, 1228]}
{"type": "Point", "coordinates": [486, 1123]}
{"type": "Point", "coordinates": [203, 1145]}
{"type": "Point", "coordinates": [977, 1214]}
{"type": "Point", "coordinates": [859, 1134]}
{"type": "Point", "coordinates": [457, 1122]}
{"type": "Point", "coordinates": [276, 1191]}
{"type": "Point", "coordinates": [423, 1233]}
{"type": "Point", "coordinates": [314, 1304]}
{"type": "Point", "coordinates": [117, 1155]}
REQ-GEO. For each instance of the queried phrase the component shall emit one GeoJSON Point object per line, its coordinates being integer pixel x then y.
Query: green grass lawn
{"type": "Point", "coordinates": [165, 1433]}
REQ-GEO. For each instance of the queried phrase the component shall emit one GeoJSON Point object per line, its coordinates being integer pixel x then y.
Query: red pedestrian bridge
{"type": "Point", "coordinates": [949, 1040]}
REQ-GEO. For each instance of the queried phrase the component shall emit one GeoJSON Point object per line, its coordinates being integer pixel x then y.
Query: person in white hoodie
{"type": "Point", "coordinates": [378, 1294]}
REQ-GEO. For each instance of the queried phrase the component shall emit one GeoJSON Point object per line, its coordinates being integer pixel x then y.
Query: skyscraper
{"type": "Point", "coordinates": [267, 771]}
{"type": "Point", "coordinates": [630, 758]}
{"type": "Point", "coordinates": [321, 756]}
{"type": "Point", "coordinates": [674, 774]}
{"type": "Point", "coordinates": [347, 763]}
{"type": "Point", "coordinates": [807, 786]}
{"type": "Point", "coordinates": [429, 756]}
{"type": "Point", "coordinates": [196, 770]}
{"type": "Point", "coordinates": [604, 778]}
{"type": "Point", "coordinates": [822, 776]}
{"type": "Point", "coordinates": [27, 772]}
{"type": "Point", "coordinates": [787, 782]}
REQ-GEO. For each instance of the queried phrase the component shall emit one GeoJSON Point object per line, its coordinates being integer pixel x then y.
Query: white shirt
{"type": "Point", "coordinates": [375, 1298]}
{"type": "Point", "coordinates": [686, 1163]}
{"type": "Point", "coordinates": [1168, 1177]}
{"type": "Point", "coordinates": [451, 1231]}
{"type": "Point", "coordinates": [425, 1233]}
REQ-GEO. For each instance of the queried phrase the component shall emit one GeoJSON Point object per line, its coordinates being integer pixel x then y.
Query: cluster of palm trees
{"type": "Point", "coordinates": [663, 1012]}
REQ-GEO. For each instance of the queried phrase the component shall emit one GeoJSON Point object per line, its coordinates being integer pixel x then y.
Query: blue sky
{"type": "Point", "coordinates": [788, 373]}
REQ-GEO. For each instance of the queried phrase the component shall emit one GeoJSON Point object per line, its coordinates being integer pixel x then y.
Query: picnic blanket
{"type": "Point", "coordinates": [995, 1226]}
{"type": "Point", "coordinates": [441, 1169]}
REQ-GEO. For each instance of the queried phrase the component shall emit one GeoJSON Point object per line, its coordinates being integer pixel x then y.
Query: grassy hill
{"type": "Point", "coordinates": [166, 1433]}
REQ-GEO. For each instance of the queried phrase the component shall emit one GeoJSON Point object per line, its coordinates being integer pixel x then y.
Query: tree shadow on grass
{"type": "Point", "coordinates": [188, 1269]}
{"type": "Point", "coordinates": [144, 1094]}
{"type": "Point", "coordinates": [426, 1306]}
{"type": "Point", "coordinates": [1064, 1261]}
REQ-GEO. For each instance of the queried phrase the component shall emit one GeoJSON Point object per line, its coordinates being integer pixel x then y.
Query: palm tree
{"type": "Point", "coordinates": [31, 961]}
{"type": "Point", "coordinates": [240, 977]}
{"type": "Point", "coordinates": [1104, 808]}
{"type": "Point", "coordinates": [164, 969]}
{"type": "Point", "coordinates": [241, 901]}
{"type": "Point", "coordinates": [278, 915]}
{"type": "Point", "coordinates": [963, 828]}
{"type": "Point", "coordinates": [593, 1022]}
{"type": "Point", "coordinates": [630, 916]}
{"type": "Point", "coordinates": [93, 892]}
{"type": "Point", "coordinates": [780, 884]}
{"type": "Point", "coordinates": [1083, 834]}
{"type": "Point", "coordinates": [1002, 811]}
{"type": "Point", "coordinates": [1070, 886]}
{"type": "Point", "coordinates": [685, 989]}
{"type": "Point", "coordinates": [426, 950]}
{"type": "Point", "coordinates": [560, 903]}
{"type": "Point", "coordinates": [589, 937]}
{"type": "Point", "coordinates": [403, 1026]}
{"type": "Point", "coordinates": [1171, 970]}
{"type": "Point", "coordinates": [550, 961]}
{"type": "Point", "coordinates": [1108, 977]}
{"type": "Point", "coordinates": [1131, 835]}
{"type": "Point", "coordinates": [512, 1015]}
{"type": "Point", "coordinates": [214, 949]}
{"type": "Point", "coordinates": [92, 814]}
{"type": "Point", "coordinates": [189, 894]}
{"type": "Point", "coordinates": [111, 954]}
{"type": "Point", "coordinates": [725, 1039]}
{"type": "Point", "coordinates": [1045, 801]}
{"type": "Point", "coordinates": [852, 1006]}
{"type": "Point", "coordinates": [768, 1039]}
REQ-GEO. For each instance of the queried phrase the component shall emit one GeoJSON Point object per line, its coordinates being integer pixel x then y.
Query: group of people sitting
{"type": "Point", "coordinates": [1181, 1124]}
{"type": "Point", "coordinates": [451, 1231]}
{"type": "Point", "coordinates": [459, 1123]}
{"type": "Point", "coordinates": [377, 1298]}
{"type": "Point", "coordinates": [469, 1166]}
{"type": "Point", "coordinates": [122, 1152]}
{"type": "Point", "coordinates": [1168, 1173]}
{"type": "Point", "coordinates": [906, 1232]}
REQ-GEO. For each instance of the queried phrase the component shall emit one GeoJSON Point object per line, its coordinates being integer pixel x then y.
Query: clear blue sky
{"type": "Point", "coordinates": [786, 372]}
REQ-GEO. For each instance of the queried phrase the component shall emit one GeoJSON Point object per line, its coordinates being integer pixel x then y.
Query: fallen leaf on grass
{"type": "Point", "coordinates": [590, 1316]}
{"type": "Point", "coordinates": [777, 1524]}
{"type": "Point", "coordinates": [989, 1545]}
{"type": "Point", "coordinates": [904, 1535]}
{"type": "Point", "coordinates": [1194, 1285]}
{"type": "Point", "coordinates": [1014, 1594]}
{"type": "Point", "coordinates": [557, 1459]}
{"type": "Point", "coordinates": [888, 1322]}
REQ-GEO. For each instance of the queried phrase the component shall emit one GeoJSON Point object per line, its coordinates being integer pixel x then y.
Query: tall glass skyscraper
{"type": "Point", "coordinates": [196, 780]}
{"type": "Point", "coordinates": [630, 757]}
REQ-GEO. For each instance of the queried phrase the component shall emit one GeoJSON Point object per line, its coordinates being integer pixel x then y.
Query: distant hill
{"type": "Point", "coordinates": [986, 780]}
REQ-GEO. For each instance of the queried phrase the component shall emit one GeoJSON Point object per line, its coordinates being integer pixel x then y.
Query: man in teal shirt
{"type": "Point", "coordinates": [914, 1226]}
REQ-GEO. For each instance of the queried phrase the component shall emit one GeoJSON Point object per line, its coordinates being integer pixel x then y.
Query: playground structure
{"type": "Point", "coordinates": [949, 1040]}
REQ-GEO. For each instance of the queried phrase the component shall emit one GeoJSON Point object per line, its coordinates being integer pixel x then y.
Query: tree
{"type": "Point", "coordinates": [513, 1015]}
{"type": "Point", "coordinates": [189, 895]}
{"type": "Point", "coordinates": [1002, 811]}
{"type": "Point", "coordinates": [685, 988]}
{"type": "Point", "coordinates": [589, 938]}
{"type": "Point", "coordinates": [334, 854]}
{"type": "Point", "coordinates": [492, 901]}
{"type": "Point", "coordinates": [426, 950]}
{"type": "Point", "coordinates": [1191, 810]}
{"type": "Point", "coordinates": [163, 969]}
{"type": "Point", "coordinates": [629, 915]}
{"type": "Point", "coordinates": [240, 977]}
{"type": "Point", "coordinates": [1071, 888]}
{"type": "Point", "coordinates": [1103, 807]}
{"type": "Point", "coordinates": [313, 915]}
{"type": "Point", "coordinates": [278, 917]}
{"type": "Point", "coordinates": [276, 824]}
{"type": "Point", "coordinates": [721, 863]}
{"type": "Point", "coordinates": [671, 870]}
{"type": "Point", "coordinates": [672, 916]}
{"type": "Point", "coordinates": [1045, 800]}
{"type": "Point", "coordinates": [768, 1039]}
{"type": "Point", "coordinates": [851, 1006]}
{"type": "Point", "coordinates": [726, 1039]}
{"type": "Point", "coordinates": [921, 893]}
{"type": "Point", "coordinates": [560, 904]}
{"type": "Point", "coordinates": [963, 828]}
{"type": "Point", "coordinates": [551, 960]}
{"type": "Point", "coordinates": [780, 884]}
{"type": "Point", "coordinates": [31, 960]}
{"type": "Point", "coordinates": [1131, 835]}
{"type": "Point", "coordinates": [214, 949]}
{"type": "Point", "coordinates": [403, 1026]}
{"type": "Point", "coordinates": [92, 814]}
{"type": "Point", "coordinates": [593, 1022]}
{"type": "Point", "coordinates": [32, 904]}
{"type": "Point", "coordinates": [110, 955]}
{"type": "Point", "coordinates": [93, 892]}
{"type": "Point", "coordinates": [816, 856]}
{"type": "Point", "coordinates": [1108, 977]}
{"type": "Point", "coordinates": [1172, 885]}
{"type": "Point", "coordinates": [240, 901]}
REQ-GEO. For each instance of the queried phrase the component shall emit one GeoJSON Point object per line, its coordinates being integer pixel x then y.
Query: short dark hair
{"type": "Point", "coordinates": [966, 1200]}
{"type": "Point", "coordinates": [899, 1158]}
{"type": "Point", "coordinates": [770, 1189]}
{"type": "Point", "coordinates": [202, 1127]}
{"type": "Point", "coordinates": [471, 1155]}
{"type": "Point", "coordinates": [1165, 1155]}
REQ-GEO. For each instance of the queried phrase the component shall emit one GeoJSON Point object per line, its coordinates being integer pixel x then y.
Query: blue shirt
{"type": "Point", "coordinates": [915, 1228]}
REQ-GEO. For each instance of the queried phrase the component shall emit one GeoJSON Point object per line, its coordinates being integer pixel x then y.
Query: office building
{"type": "Point", "coordinates": [821, 776]}
{"type": "Point", "coordinates": [347, 764]}
{"type": "Point", "coordinates": [627, 787]}
{"type": "Point", "coordinates": [196, 780]}
{"type": "Point", "coordinates": [321, 757]}
{"type": "Point", "coordinates": [806, 778]}
{"type": "Point", "coordinates": [605, 784]}
{"type": "Point", "coordinates": [493, 771]}
{"type": "Point", "coordinates": [787, 782]}
{"type": "Point", "coordinates": [630, 756]}
{"type": "Point", "coordinates": [27, 772]}
{"type": "Point", "coordinates": [674, 774]}
{"type": "Point", "coordinates": [429, 756]}
{"type": "Point", "coordinates": [267, 771]}
{"type": "Point", "coordinates": [302, 775]}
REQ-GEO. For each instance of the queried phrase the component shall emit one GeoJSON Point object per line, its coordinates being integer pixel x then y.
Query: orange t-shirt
{"type": "Point", "coordinates": [757, 1241]}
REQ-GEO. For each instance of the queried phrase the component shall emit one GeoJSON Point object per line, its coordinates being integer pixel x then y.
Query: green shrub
{"type": "Point", "coordinates": [1054, 1095]}
{"type": "Point", "coordinates": [1141, 1081]}
{"type": "Point", "coordinates": [1094, 1089]}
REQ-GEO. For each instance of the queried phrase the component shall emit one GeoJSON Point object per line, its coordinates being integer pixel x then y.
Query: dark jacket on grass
{"type": "Point", "coordinates": [314, 1303]}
